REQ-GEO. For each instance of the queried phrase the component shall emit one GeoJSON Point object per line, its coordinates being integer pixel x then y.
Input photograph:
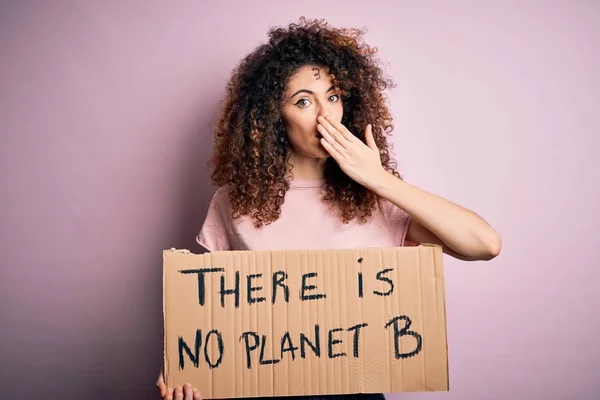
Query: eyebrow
{"type": "Point", "coordinates": [309, 91]}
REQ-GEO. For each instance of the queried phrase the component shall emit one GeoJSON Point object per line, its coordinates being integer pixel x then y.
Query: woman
{"type": "Point", "coordinates": [302, 161]}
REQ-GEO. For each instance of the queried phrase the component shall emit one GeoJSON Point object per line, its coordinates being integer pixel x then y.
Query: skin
{"type": "Point", "coordinates": [313, 107]}
{"type": "Point", "coordinates": [179, 393]}
{"type": "Point", "coordinates": [312, 114]}
{"type": "Point", "coordinates": [309, 94]}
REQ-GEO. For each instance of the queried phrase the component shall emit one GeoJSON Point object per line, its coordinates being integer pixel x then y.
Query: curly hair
{"type": "Point", "coordinates": [251, 149]}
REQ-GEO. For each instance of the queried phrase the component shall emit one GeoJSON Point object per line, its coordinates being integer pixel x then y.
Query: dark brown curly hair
{"type": "Point", "coordinates": [251, 148]}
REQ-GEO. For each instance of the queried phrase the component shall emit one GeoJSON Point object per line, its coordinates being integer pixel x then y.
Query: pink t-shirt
{"type": "Point", "coordinates": [305, 223]}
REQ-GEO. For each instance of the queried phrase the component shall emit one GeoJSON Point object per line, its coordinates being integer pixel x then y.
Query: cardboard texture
{"type": "Point", "coordinates": [288, 323]}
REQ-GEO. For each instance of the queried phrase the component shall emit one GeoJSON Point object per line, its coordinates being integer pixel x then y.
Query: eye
{"type": "Point", "coordinates": [303, 103]}
{"type": "Point", "coordinates": [334, 97]}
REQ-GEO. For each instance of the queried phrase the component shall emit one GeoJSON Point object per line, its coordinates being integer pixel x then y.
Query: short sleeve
{"type": "Point", "coordinates": [398, 222]}
{"type": "Point", "coordinates": [214, 233]}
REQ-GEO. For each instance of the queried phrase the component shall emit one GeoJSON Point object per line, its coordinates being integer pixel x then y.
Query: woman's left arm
{"type": "Point", "coordinates": [462, 233]}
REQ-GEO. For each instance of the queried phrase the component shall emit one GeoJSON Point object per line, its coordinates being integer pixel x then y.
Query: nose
{"type": "Point", "coordinates": [324, 109]}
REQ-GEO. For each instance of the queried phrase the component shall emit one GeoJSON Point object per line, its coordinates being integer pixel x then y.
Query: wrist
{"type": "Point", "coordinates": [384, 183]}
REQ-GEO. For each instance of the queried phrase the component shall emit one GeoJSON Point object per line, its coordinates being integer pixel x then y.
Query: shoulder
{"type": "Point", "coordinates": [215, 232]}
{"type": "Point", "coordinates": [397, 220]}
{"type": "Point", "coordinates": [221, 194]}
{"type": "Point", "coordinates": [220, 199]}
{"type": "Point", "coordinates": [392, 212]}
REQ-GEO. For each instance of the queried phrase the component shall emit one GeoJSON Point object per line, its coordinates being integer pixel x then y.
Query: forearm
{"type": "Point", "coordinates": [460, 229]}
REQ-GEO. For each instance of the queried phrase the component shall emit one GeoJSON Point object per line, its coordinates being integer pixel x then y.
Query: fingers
{"type": "Point", "coordinates": [333, 140]}
{"type": "Point", "coordinates": [337, 146]}
{"type": "Point", "coordinates": [337, 129]}
{"type": "Point", "coordinates": [369, 137]}
{"type": "Point", "coordinates": [331, 150]}
{"type": "Point", "coordinates": [178, 394]}
{"type": "Point", "coordinates": [187, 391]}
{"type": "Point", "coordinates": [163, 390]}
{"type": "Point", "coordinates": [160, 385]}
{"type": "Point", "coordinates": [197, 394]}
{"type": "Point", "coordinates": [326, 126]}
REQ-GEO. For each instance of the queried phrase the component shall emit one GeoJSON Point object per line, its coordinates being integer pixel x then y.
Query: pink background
{"type": "Point", "coordinates": [104, 119]}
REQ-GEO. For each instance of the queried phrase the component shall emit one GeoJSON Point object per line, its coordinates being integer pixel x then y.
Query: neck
{"type": "Point", "coordinates": [305, 168]}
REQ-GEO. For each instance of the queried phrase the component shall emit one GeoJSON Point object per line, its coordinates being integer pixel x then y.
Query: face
{"type": "Point", "coordinates": [309, 94]}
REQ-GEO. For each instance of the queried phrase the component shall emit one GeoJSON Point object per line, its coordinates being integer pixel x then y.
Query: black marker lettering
{"type": "Point", "coordinates": [306, 287]}
{"type": "Point", "coordinates": [235, 291]}
{"type": "Point", "coordinates": [316, 348]}
{"type": "Point", "coordinates": [331, 342]}
{"type": "Point", "coordinates": [262, 353]}
{"type": "Point", "coordinates": [251, 289]}
{"type": "Point", "coordinates": [360, 284]}
{"type": "Point", "coordinates": [219, 346]}
{"type": "Point", "coordinates": [356, 336]}
{"type": "Point", "coordinates": [404, 332]}
{"type": "Point", "coordinates": [201, 283]}
{"type": "Point", "coordinates": [249, 348]}
{"type": "Point", "coordinates": [290, 346]}
{"type": "Point", "coordinates": [278, 280]}
{"type": "Point", "coordinates": [195, 358]}
{"type": "Point", "coordinates": [384, 279]}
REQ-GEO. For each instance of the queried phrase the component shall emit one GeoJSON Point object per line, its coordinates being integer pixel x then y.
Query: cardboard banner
{"type": "Point", "coordinates": [290, 323]}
